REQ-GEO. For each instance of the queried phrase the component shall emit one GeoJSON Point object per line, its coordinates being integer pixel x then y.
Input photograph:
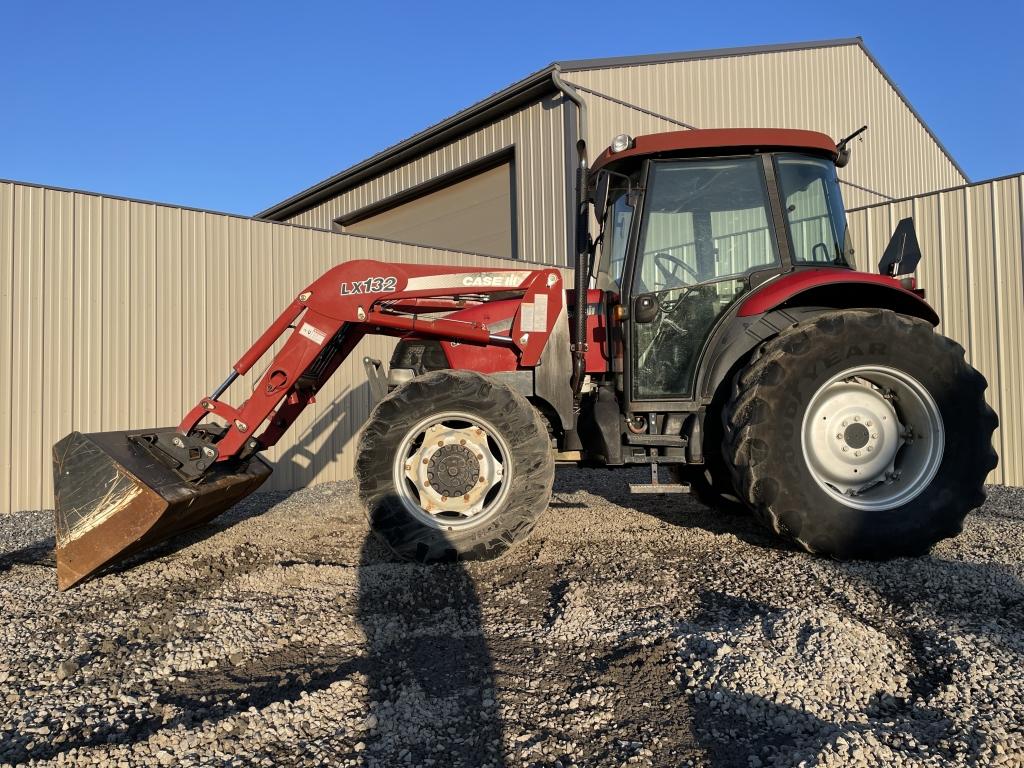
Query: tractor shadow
{"type": "Point", "coordinates": [424, 678]}
{"type": "Point", "coordinates": [683, 510]}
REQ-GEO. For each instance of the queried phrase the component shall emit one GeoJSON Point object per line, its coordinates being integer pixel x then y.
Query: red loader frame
{"type": "Point", "coordinates": [372, 297]}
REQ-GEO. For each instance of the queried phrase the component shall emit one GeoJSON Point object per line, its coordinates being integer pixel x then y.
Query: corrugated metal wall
{"type": "Point", "coordinates": [536, 135]}
{"type": "Point", "coordinates": [973, 271]}
{"type": "Point", "coordinates": [120, 314]}
{"type": "Point", "coordinates": [833, 89]}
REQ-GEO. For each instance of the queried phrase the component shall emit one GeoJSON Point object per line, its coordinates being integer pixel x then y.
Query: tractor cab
{"type": "Point", "coordinates": [692, 221]}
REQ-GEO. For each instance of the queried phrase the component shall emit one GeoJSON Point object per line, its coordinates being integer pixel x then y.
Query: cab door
{"type": "Point", "coordinates": [706, 227]}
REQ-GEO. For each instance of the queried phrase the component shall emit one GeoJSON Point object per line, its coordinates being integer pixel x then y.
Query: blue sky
{"type": "Point", "coordinates": [234, 106]}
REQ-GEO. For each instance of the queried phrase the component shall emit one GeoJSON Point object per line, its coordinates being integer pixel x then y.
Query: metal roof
{"type": "Point", "coordinates": [529, 89]}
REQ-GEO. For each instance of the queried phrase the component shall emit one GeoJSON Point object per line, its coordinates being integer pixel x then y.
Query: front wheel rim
{"type": "Point", "coordinates": [452, 471]}
{"type": "Point", "coordinates": [872, 437]}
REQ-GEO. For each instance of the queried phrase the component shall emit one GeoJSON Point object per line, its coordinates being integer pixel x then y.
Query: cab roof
{"type": "Point", "coordinates": [725, 141]}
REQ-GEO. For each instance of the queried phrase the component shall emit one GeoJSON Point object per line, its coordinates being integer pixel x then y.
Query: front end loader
{"type": "Point", "coordinates": [716, 331]}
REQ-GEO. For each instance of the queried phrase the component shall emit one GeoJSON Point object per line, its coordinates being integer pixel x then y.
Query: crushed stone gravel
{"type": "Point", "coordinates": [628, 630]}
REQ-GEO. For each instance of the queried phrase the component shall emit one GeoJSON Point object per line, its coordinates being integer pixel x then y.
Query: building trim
{"type": "Point", "coordinates": [528, 90]}
{"type": "Point", "coordinates": [945, 190]}
{"type": "Point", "coordinates": [710, 53]}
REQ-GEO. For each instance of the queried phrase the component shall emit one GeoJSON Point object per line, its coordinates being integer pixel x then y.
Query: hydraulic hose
{"type": "Point", "coordinates": [581, 280]}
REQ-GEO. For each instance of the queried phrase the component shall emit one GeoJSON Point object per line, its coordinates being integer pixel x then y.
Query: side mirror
{"type": "Point", "coordinates": [645, 308]}
{"type": "Point", "coordinates": [601, 196]}
{"type": "Point", "coordinates": [903, 252]}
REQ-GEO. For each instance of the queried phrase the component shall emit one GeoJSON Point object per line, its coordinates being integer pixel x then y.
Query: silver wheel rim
{"type": "Point", "coordinates": [452, 471]}
{"type": "Point", "coordinates": [872, 437]}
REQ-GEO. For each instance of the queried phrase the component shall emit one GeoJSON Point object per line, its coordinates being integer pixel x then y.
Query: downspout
{"type": "Point", "coordinates": [581, 280]}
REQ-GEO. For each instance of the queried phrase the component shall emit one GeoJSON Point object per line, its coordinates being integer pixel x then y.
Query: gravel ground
{"type": "Point", "coordinates": [626, 631]}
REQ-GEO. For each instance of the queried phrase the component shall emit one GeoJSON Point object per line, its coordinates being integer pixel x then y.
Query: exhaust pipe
{"type": "Point", "coordinates": [116, 494]}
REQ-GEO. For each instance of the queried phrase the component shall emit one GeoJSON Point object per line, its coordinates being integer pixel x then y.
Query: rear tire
{"type": "Point", "coordinates": [799, 413]}
{"type": "Point", "coordinates": [454, 465]}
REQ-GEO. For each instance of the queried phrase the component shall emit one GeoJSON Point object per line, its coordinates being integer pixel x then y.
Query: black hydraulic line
{"type": "Point", "coordinates": [581, 280]}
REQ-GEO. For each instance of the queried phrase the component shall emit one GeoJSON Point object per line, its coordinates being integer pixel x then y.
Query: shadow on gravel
{"type": "Point", "coordinates": [682, 510]}
{"type": "Point", "coordinates": [430, 677]}
{"type": "Point", "coordinates": [37, 553]}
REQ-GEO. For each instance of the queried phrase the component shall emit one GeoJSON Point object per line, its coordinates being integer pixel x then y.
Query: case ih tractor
{"type": "Point", "coordinates": [716, 327]}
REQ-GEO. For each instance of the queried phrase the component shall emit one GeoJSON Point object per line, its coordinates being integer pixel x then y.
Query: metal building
{"type": "Point", "coordinates": [497, 178]}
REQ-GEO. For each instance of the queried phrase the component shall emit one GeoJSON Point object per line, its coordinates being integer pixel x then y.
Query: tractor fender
{"type": "Point", "coordinates": [836, 289]}
{"type": "Point", "coordinates": [789, 299]}
{"type": "Point", "coordinates": [735, 338]}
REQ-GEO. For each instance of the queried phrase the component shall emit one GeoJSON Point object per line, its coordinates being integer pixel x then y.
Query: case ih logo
{"type": "Point", "coordinates": [370, 285]}
{"type": "Point", "coordinates": [509, 280]}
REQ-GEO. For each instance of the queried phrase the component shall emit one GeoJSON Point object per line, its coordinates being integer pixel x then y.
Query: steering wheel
{"type": "Point", "coordinates": [671, 270]}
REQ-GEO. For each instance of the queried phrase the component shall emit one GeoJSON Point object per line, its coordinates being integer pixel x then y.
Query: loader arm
{"type": "Point", "coordinates": [362, 298]}
{"type": "Point", "coordinates": [119, 492]}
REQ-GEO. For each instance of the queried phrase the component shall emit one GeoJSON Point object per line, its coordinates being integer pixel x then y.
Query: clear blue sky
{"type": "Point", "coordinates": [234, 106]}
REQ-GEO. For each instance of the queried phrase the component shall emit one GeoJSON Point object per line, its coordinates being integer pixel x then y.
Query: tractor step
{"type": "Point", "coordinates": [656, 486]}
{"type": "Point", "coordinates": [666, 440]}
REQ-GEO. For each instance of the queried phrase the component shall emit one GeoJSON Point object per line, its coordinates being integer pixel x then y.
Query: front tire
{"type": "Point", "coordinates": [454, 465]}
{"type": "Point", "coordinates": [861, 434]}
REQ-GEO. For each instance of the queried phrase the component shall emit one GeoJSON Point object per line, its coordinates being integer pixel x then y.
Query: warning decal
{"type": "Point", "coordinates": [313, 334]}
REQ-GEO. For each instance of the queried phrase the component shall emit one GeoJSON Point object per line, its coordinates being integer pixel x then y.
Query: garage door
{"type": "Point", "coordinates": [473, 215]}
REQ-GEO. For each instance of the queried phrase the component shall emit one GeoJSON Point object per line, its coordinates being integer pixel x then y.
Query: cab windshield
{"type": "Point", "coordinates": [704, 220]}
{"type": "Point", "coordinates": [814, 211]}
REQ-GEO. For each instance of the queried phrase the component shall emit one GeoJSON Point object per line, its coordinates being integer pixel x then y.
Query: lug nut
{"type": "Point", "coordinates": [426, 461]}
{"type": "Point", "coordinates": [440, 443]}
{"type": "Point", "coordinates": [426, 483]}
{"type": "Point", "coordinates": [444, 498]}
{"type": "Point", "coordinates": [870, 449]}
{"type": "Point", "coordinates": [845, 449]}
{"type": "Point", "coordinates": [480, 456]}
{"type": "Point", "coordinates": [856, 418]}
{"type": "Point", "coordinates": [462, 442]}
{"type": "Point", "coordinates": [466, 497]}
{"type": "Point", "coordinates": [856, 453]}
{"type": "Point", "coordinates": [874, 435]}
{"type": "Point", "coordinates": [839, 435]}
{"type": "Point", "coordinates": [482, 479]}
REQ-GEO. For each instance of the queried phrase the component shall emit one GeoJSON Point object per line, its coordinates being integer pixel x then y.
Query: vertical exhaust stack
{"type": "Point", "coordinates": [114, 496]}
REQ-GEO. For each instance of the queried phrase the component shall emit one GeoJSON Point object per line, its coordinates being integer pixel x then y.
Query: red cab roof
{"type": "Point", "coordinates": [714, 140]}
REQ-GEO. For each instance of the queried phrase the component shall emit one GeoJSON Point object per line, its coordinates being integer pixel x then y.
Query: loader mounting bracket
{"type": "Point", "coordinates": [188, 455]}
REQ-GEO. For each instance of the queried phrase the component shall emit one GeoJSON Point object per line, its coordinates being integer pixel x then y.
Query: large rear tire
{"type": "Point", "coordinates": [454, 465]}
{"type": "Point", "coordinates": [861, 434]}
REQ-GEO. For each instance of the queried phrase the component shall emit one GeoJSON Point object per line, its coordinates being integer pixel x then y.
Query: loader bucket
{"type": "Point", "coordinates": [113, 498]}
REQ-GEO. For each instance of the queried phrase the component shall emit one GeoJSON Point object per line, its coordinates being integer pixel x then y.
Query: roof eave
{"type": "Point", "coordinates": [502, 102]}
{"type": "Point", "coordinates": [710, 53]}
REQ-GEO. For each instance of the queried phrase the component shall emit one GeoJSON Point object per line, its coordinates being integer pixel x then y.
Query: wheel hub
{"type": "Point", "coordinates": [872, 437]}
{"type": "Point", "coordinates": [446, 472]}
{"type": "Point", "coordinates": [453, 470]}
{"type": "Point", "coordinates": [854, 435]}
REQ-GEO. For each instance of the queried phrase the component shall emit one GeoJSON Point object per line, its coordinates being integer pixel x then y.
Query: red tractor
{"type": "Point", "coordinates": [716, 326]}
